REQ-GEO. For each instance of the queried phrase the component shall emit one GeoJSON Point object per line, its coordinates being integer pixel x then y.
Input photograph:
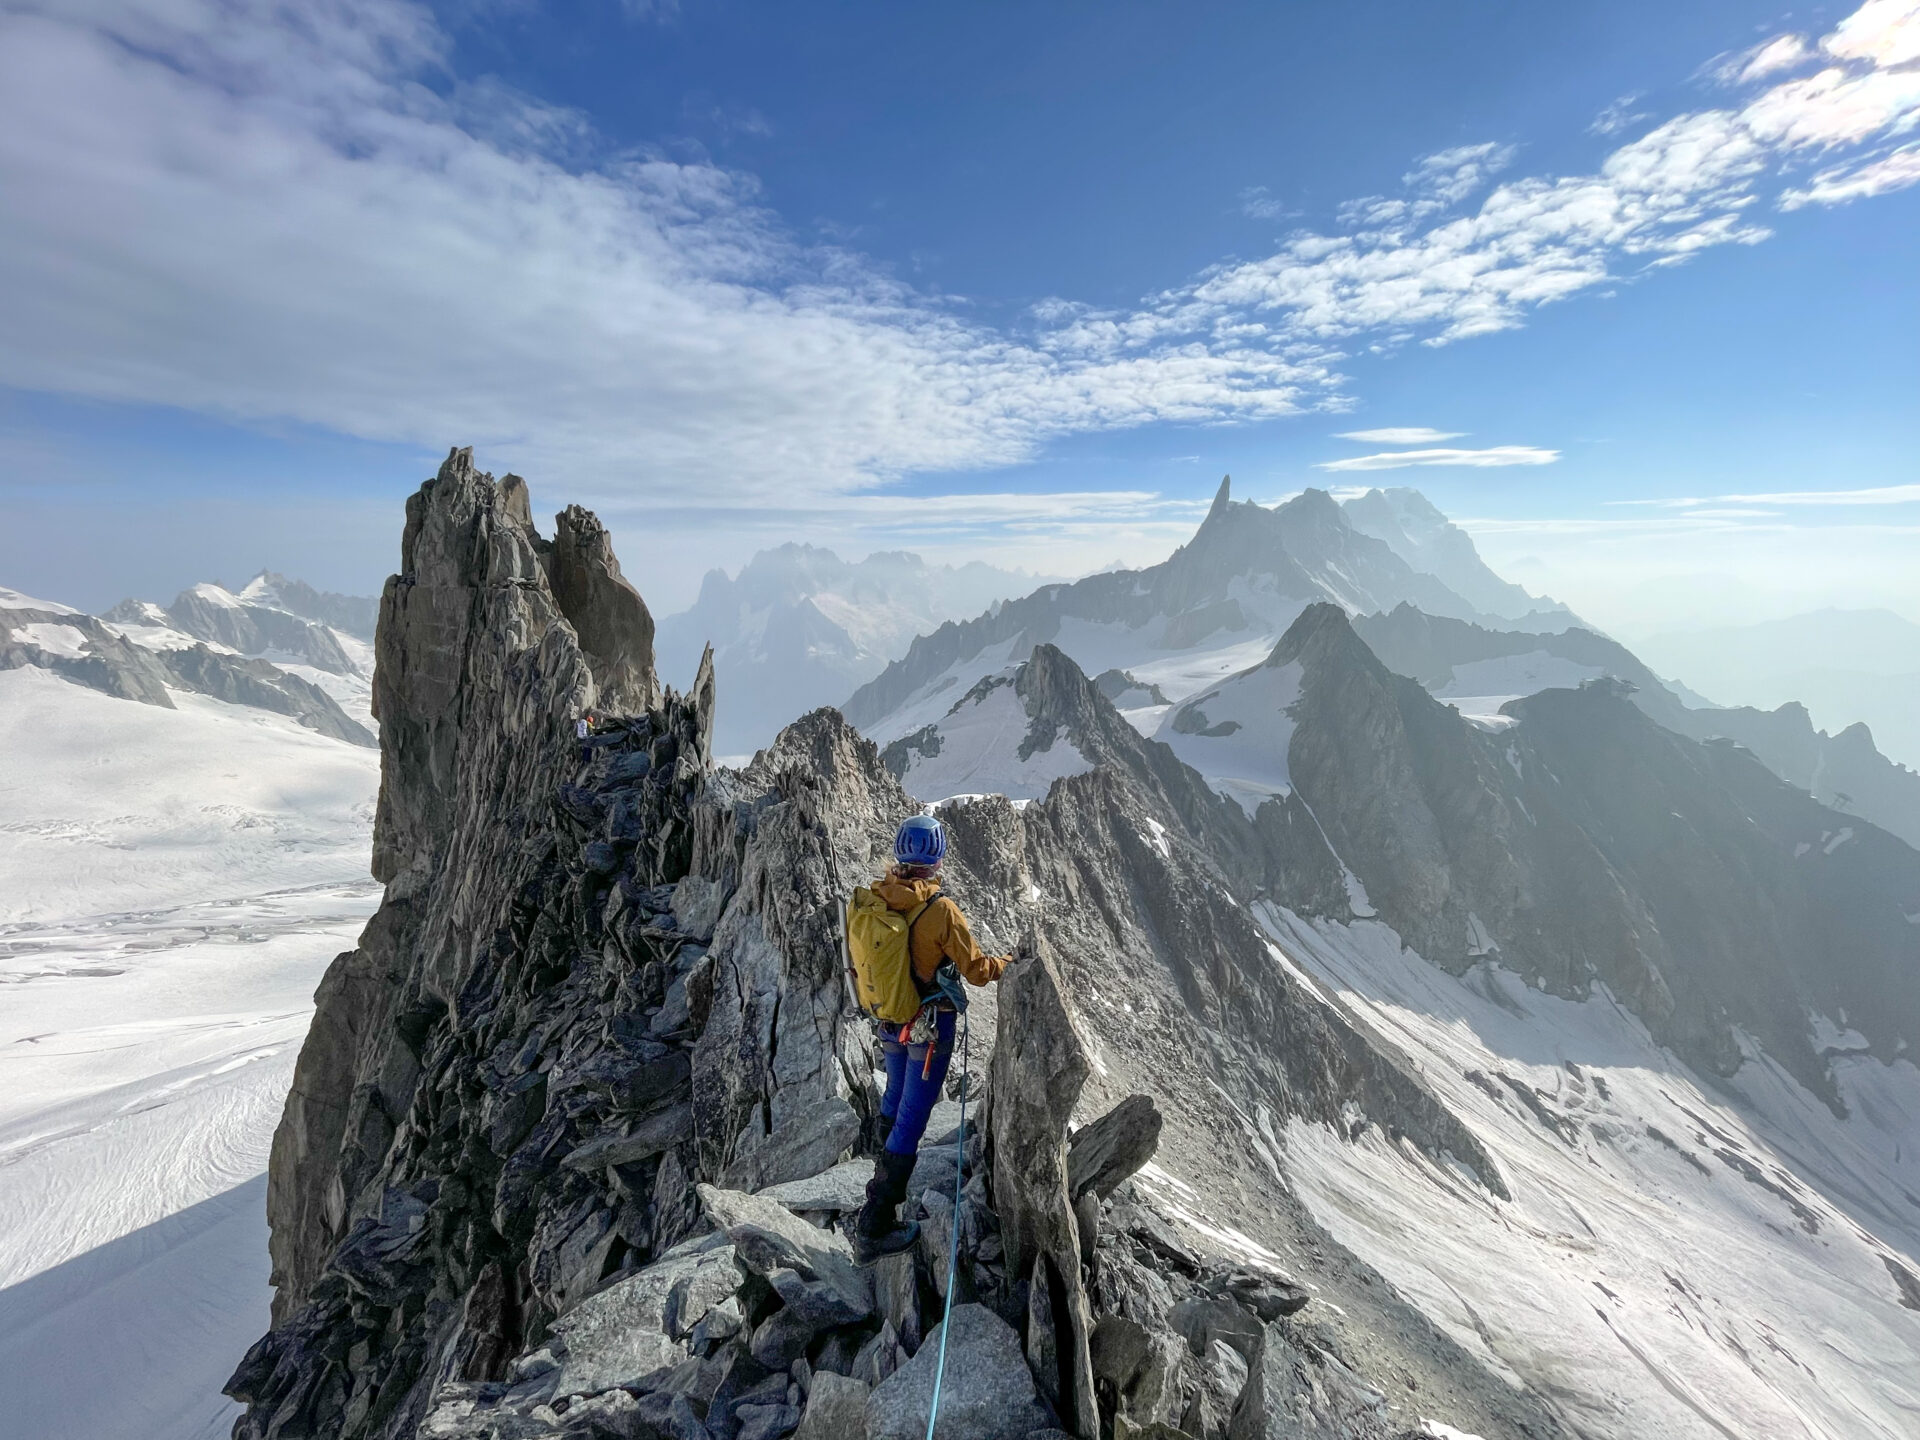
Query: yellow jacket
{"type": "Point", "coordinates": [941, 932]}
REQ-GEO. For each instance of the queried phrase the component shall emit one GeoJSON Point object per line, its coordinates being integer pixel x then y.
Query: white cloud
{"type": "Point", "coordinates": [1782, 52]}
{"type": "Point", "coordinates": [1259, 203]}
{"type": "Point", "coordinates": [1893, 171]}
{"type": "Point", "coordinates": [1882, 32]}
{"type": "Point", "coordinates": [1619, 115]}
{"type": "Point", "coordinates": [1402, 435]}
{"type": "Point", "coordinates": [1494, 457]}
{"type": "Point", "coordinates": [214, 207]}
{"type": "Point", "coordinates": [268, 213]}
{"type": "Point", "coordinates": [1873, 495]}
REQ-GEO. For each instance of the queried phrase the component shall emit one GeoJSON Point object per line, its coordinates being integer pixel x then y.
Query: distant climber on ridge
{"type": "Point", "coordinates": [910, 946]}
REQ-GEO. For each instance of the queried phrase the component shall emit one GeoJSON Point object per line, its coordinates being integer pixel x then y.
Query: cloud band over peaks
{"type": "Point", "coordinates": [1493, 457]}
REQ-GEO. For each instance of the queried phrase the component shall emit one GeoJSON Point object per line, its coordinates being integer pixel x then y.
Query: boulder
{"type": "Point", "coordinates": [620, 1334]}
{"type": "Point", "coordinates": [986, 1392]}
{"type": "Point", "coordinates": [836, 1409]}
{"type": "Point", "coordinates": [768, 1238]}
{"type": "Point", "coordinates": [1039, 1067]}
{"type": "Point", "coordinates": [1109, 1150]}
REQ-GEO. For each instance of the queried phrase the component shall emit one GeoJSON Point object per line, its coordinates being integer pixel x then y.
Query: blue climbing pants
{"type": "Point", "coordinates": [915, 1075]}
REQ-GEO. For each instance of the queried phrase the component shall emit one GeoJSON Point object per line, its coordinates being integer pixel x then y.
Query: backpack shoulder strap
{"type": "Point", "coordinates": [922, 908]}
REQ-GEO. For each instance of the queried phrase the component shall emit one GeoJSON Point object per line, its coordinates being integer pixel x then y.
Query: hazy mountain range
{"type": "Point", "coordinates": [1844, 666]}
{"type": "Point", "coordinates": [799, 627]}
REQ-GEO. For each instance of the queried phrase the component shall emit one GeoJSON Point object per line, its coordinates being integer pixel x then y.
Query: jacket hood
{"type": "Point", "coordinates": [901, 893]}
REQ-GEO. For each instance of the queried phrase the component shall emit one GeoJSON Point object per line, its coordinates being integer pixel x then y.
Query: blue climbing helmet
{"type": "Point", "coordinates": [920, 840]}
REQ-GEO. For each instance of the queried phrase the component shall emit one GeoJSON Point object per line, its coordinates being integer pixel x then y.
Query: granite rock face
{"type": "Point", "coordinates": [608, 615]}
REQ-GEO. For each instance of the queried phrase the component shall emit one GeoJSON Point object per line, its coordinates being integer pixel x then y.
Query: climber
{"type": "Point", "coordinates": [916, 1024]}
{"type": "Point", "coordinates": [583, 732]}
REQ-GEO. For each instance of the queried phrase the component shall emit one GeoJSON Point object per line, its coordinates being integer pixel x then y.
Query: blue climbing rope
{"type": "Point", "coordinates": [953, 1246]}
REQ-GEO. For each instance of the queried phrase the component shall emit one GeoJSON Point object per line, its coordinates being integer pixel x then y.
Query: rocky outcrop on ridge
{"type": "Point", "coordinates": [608, 615]}
{"type": "Point", "coordinates": [565, 1153]}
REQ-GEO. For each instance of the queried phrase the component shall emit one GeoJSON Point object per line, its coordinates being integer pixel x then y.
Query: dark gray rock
{"type": "Point", "coordinates": [836, 1409]}
{"type": "Point", "coordinates": [1106, 1151]}
{"type": "Point", "coordinates": [1039, 1067]}
{"type": "Point", "coordinates": [612, 621]}
{"type": "Point", "coordinates": [986, 1391]}
{"type": "Point", "coordinates": [766, 1422]}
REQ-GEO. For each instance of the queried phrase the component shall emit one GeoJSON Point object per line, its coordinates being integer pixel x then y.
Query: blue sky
{"type": "Point", "coordinates": [1005, 281]}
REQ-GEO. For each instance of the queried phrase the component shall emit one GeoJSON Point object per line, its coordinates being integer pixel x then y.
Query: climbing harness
{"type": "Point", "coordinates": [953, 1246]}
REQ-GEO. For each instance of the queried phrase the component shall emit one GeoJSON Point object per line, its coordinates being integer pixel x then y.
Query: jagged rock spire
{"type": "Point", "coordinates": [1221, 497]}
{"type": "Point", "coordinates": [607, 613]}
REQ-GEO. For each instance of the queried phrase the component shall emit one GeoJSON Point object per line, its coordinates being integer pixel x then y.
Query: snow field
{"type": "Point", "coordinates": [1248, 765]}
{"type": "Point", "coordinates": [107, 805]}
{"type": "Point", "coordinates": [173, 884]}
{"type": "Point", "coordinates": [979, 751]}
{"type": "Point", "coordinates": [1670, 1265]}
{"type": "Point", "coordinates": [144, 1061]}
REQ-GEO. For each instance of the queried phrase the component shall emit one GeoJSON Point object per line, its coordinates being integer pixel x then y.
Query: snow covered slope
{"type": "Point", "coordinates": [1237, 733]}
{"type": "Point", "coordinates": [981, 746]}
{"type": "Point", "coordinates": [1675, 1260]}
{"type": "Point", "coordinates": [145, 1058]}
{"type": "Point", "coordinates": [107, 806]}
{"type": "Point", "coordinates": [172, 884]}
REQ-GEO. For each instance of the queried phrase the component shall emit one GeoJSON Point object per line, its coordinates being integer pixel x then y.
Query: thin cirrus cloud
{"type": "Point", "coordinates": [262, 215]}
{"type": "Point", "coordinates": [1400, 435]}
{"type": "Point", "coordinates": [1872, 495]}
{"type": "Point", "coordinates": [1491, 458]}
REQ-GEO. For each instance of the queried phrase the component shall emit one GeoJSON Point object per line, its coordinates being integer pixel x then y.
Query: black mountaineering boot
{"type": "Point", "coordinates": [878, 1231]}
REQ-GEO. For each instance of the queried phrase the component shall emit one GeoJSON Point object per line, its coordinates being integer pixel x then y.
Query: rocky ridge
{"type": "Point", "coordinates": [563, 1134]}
{"type": "Point", "coordinates": [1588, 844]}
{"type": "Point", "coordinates": [1845, 770]}
{"type": "Point", "coordinates": [93, 653]}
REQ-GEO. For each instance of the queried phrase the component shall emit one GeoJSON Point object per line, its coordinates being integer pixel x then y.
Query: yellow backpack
{"type": "Point", "coordinates": [879, 945]}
